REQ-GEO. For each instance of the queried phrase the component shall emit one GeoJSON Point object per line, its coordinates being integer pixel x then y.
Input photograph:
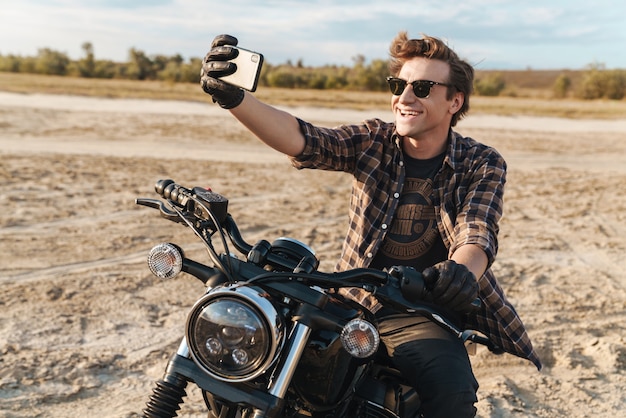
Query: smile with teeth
{"type": "Point", "coordinates": [408, 112]}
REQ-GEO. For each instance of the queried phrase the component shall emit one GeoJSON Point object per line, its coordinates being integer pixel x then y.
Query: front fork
{"type": "Point", "coordinates": [169, 391]}
{"type": "Point", "coordinates": [297, 343]}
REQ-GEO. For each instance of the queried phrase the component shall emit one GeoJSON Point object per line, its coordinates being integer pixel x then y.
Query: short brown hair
{"type": "Point", "coordinates": [461, 77]}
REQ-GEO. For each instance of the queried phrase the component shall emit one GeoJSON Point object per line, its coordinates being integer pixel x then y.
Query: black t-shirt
{"type": "Point", "coordinates": [413, 238]}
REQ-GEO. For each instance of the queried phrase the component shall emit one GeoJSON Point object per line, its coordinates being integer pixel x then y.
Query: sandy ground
{"type": "Point", "coordinates": [85, 329]}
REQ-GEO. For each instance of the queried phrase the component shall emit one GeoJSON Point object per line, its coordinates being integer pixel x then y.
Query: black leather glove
{"type": "Point", "coordinates": [216, 64]}
{"type": "Point", "coordinates": [452, 286]}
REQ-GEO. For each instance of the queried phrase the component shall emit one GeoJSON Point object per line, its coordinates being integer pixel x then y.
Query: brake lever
{"type": "Point", "coordinates": [391, 296]}
{"type": "Point", "coordinates": [166, 213]}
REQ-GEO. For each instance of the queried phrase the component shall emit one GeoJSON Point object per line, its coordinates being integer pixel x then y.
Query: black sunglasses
{"type": "Point", "coordinates": [421, 88]}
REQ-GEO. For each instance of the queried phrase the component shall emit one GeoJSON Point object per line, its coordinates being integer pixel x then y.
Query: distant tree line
{"type": "Point", "coordinates": [139, 66]}
{"type": "Point", "coordinates": [596, 83]}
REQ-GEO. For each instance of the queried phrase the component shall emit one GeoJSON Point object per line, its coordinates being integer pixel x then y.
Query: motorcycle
{"type": "Point", "coordinates": [272, 336]}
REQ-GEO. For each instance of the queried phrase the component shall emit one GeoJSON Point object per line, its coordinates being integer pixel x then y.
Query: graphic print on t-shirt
{"type": "Point", "coordinates": [414, 228]}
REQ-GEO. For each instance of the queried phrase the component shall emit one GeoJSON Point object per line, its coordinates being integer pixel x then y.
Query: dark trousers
{"type": "Point", "coordinates": [434, 362]}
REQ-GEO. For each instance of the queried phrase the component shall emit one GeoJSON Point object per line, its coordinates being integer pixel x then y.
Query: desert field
{"type": "Point", "coordinates": [86, 329]}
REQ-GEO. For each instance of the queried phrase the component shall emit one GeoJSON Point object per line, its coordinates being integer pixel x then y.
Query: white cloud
{"type": "Point", "coordinates": [322, 31]}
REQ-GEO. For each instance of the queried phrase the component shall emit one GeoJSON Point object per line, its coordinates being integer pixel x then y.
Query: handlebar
{"type": "Point", "coordinates": [206, 205]}
{"type": "Point", "coordinates": [401, 288]}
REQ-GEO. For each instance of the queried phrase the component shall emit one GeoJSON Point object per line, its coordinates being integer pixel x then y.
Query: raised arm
{"type": "Point", "coordinates": [275, 127]}
{"type": "Point", "coordinates": [278, 129]}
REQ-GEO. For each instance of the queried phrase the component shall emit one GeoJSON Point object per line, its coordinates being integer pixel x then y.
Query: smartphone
{"type": "Point", "coordinates": [249, 65]}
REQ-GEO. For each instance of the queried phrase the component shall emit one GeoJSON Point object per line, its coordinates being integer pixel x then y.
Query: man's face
{"type": "Point", "coordinates": [419, 118]}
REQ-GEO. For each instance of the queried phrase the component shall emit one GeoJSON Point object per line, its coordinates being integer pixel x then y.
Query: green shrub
{"type": "Point", "coordinates": [561, 86]}
{"type": "Point", "coordinates": [490, 85]}
{"type": "Point", "coordinates": [51, 62]}
{"type": "Point", "coordinates": [599, 83]}
{"type": "Point", "coordinates": [281, 77]}
{"type": "Point", "coordinates": [10, 63]}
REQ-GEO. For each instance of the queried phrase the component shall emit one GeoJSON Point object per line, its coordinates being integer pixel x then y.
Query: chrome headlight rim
{"type": "Point", "coordinates": [254, 299]}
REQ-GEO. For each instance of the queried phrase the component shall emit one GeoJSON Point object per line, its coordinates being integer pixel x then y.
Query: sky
{"type": "Point", "coordinates": [490, 34]}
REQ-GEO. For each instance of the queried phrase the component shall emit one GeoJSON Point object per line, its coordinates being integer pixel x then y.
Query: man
{"type": "Point", "coordinates": [423, 196]}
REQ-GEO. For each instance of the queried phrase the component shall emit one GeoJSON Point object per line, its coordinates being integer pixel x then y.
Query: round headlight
{"type": "Point", "coordinates": [165, 260]}
{"type": "Point", "coordinates": [234, 333]}
{"type": "Point", "coordinates": [360, 338]}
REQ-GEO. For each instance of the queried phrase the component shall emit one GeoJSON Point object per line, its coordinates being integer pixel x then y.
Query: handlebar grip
{"type": "Point", "coordinates": [173, 191]}
{"type": "Point", "coordinates": [160, 186]}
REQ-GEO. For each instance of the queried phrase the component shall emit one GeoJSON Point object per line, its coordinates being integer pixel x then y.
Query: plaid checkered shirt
{"type": "Point", "coordinates": [467, 197]}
